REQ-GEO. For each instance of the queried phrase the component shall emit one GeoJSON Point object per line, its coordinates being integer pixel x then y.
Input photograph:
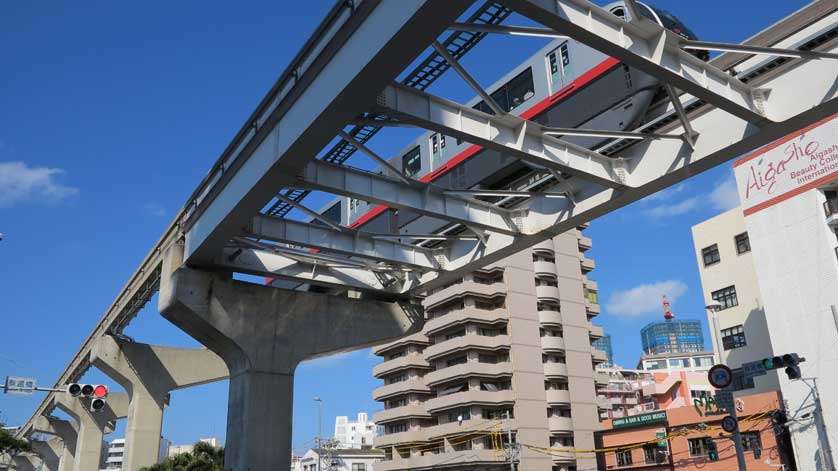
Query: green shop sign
{"type": "Point", "coordinates": [641, 419]}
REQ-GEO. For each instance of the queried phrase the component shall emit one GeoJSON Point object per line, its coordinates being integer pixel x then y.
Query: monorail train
{"type": "Point", "coordinates": [565, 84]}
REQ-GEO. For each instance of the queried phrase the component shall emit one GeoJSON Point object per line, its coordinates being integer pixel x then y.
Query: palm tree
{"type": "Point", "coordinates": [204, 457]}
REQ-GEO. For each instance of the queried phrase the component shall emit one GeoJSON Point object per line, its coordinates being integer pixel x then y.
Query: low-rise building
{"type": "Point", "coordinates": [178, 449]}
{"type": "Point", "coordinates": [339, 459]}
{"type": "Point", "coordinates": [697, 361]}
{"type": "Point", "coordinates": [357, 434]}
{"type": "Point", "coordinates": [682, 438]}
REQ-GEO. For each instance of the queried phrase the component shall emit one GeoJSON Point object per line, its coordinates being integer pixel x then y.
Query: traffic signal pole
{"type": "Point", "coordinates": [737, 441]}
{"type": "Point", "coordinates": [823, 438]}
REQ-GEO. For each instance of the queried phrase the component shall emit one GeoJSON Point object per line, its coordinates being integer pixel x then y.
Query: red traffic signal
{"type": "Point", "coordinates": [100, 391]}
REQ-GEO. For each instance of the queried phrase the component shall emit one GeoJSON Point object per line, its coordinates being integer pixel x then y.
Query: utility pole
{"type": "Point", "coordinates": [510, 447]}
{"type": "Point", "coordinates": [737, 440]}
{"type": "Point", "coordinates": [319, 430]}
{"type": "Point", "coordinates": [823, 438]}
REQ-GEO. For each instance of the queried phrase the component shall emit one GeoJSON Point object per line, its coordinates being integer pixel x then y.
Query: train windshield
{"type": "Point", "coordinates": [673, 24]}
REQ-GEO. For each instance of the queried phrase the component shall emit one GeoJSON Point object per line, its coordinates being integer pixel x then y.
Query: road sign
{"type": "Point", "coordinates": [18, 385]}
{"type": "Point", "coordinates": [661, 443]}
{"type": "Point", "coordinates": [729, 424]}
{"type": "Point", "coordinates": [724, 399]}
{"type": "Point", "coordinates": [753, 368]}
{"type": "Point", "coordinates": [720, 376]}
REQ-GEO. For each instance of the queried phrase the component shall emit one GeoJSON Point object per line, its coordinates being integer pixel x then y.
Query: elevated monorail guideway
{"type": "Point", "coordinates": [783, 79]}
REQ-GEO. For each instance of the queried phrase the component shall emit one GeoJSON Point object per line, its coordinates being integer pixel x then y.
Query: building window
{"type": "Point", "coordinates": [624, 458]}
{"type": "Point", "coordinates": [710, 255]}
{"type": "Point", "coordinates": [700, 446]}
{"type": "Point", "coordinates": [412, 162]}
{"type": "Point", "coordinates": [359, 467]}
{"type": "Point", "coordinates": [743, 244]}
{"type": "Point", "coordinates": [733, 337]}
{"type": "Point", "coordinates": [726, 297]}
{"type": "Point", "coordinates": [650, 454]}
{"type": "Point", "coordinates": [751, 441]}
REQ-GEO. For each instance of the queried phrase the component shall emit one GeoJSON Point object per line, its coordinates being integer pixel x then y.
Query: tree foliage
{"type": "Point", "coordinates": [11, 445]}
{"type": "Point", "coordinates": [204, 457]}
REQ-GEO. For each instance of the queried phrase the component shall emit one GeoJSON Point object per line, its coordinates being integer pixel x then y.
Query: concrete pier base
{"type": "Point", "coordinates": [49, 452]}
{"type": "Point", "coordinates": [25, 462]}
{"type": "Point", "coordinates": [67, 431]}
{"type": "Point", "coordinates": [149, 373]}
{"type": "Point", "coordinates": [262, 333]}
{"type": "Point", "coordinates": [92, 426]}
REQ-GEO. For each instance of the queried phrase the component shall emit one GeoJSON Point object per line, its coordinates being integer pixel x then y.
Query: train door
{"type": "Point", "coordinates": [558, 63]}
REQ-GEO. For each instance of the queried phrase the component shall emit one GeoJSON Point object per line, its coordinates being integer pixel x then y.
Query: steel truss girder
{"type": "Point", "coordinates": [347, 242]}
{"type": "Point", "coordinates": [420, 198]}
{"type": "Point", "coordinates": [263, 263]}
{"type": "Point", "coordinates": [509, 134]}
{"type": "Point", "coordinates": [648, 47]}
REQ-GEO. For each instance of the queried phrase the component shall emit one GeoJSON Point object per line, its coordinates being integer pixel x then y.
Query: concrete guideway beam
{"type": "Point", "coordinates": [92, 426]}
{"type": "Point", "coordinates": [262, 333]}
{"type": "Point", "coordinates": [347, 242]}
{"type": "Point", "coordinates": [420, 198]}
{"type": "Point", "coordinates": [648, 47]}
{"type": "Point", "coordinates": [149, 373]}
{"type": "Point", "coordinates": [67, 431]}
{"type": "Point", "coordinates": [377, 43]}
{"type": "Point", "coordinates": [507, 133]}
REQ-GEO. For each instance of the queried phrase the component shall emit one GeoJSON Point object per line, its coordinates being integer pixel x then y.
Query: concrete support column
{"type": "Point", "coordinates": [68, 433]}
{"type": "Point", "coordinates": [50, 452]}
{"type": "Point", "coordinates": [25, 462]}
{"type": "Point", "coordinates": [149, 373]}
{"type": "Point", "coordinates": [92, 426]}
{"type": "Point", "coordinates": [262, 333]}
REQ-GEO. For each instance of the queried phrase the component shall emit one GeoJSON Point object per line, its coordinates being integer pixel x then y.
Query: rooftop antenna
{"type": "Point", "coordinates": [667, 313]}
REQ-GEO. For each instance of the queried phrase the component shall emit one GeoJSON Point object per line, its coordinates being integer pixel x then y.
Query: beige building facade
{"type": "Point", "coordinates": [513, 339]}
{"type": "Point", "coordinates": [728, 280]}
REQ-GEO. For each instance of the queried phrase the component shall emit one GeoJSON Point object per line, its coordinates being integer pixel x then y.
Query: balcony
{"type": "Point", "coordinates": [587, 265]}
{"type": "Point", "coordinates": [584, 243]}
{"type": "Point", "coordinates": [417, 338]}
{"type": "Point", "coordinates": [466, 287]}
{"type": "Point", "coordinates": [459, 399]}
{"type": "Point", "coordinates": [595, 331]}
{"type": "Point", "coordinates": [438, 460]}
{"type": "Point", "coordinates": [545, 268]}
{"type": "Point", "coordinates": [603, 402]}
{"type": "Point", "coordinates": [465, 370]}
{"type": "Point", "coordinates": [468, 427]}
{"type": "Point", "coordinates": [560, 424]}
{"type": "Point", "coordinates": [413, 360]}
{"type": "Point", "coordinates": [601, 378]}
{"type": "Point", "coordinates": [388, 390]}
{"type": "Point", "coordinates": [558, 396]}
{"type": "Point", "coordinates": [555, 369]}
{"type": "Point", "coordinates": [411, 436]}
{"type": "Point", "coordinates": [592, 308]}
{"type": "Point", "coordinates": [598, 355]}
{"type": "Point", "coordinates": [398, 413]}
{"type": "Point", "coordinates": [550, 318]}
{"type": "Point", "coordinates": [552, 344]}
{"type": "Point", "coordinates": [590, 284]}
{"type": "Point", "coordinates": [466, 342]}
{"type": "Point", "coordinates": [544, 247]}
{"type": "Point", "coordinates": [460, 316]}
{"type": "Point", "coordinates": [547, 292]}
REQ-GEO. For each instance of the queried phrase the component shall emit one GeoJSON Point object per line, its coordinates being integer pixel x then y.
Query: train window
{"type": "Point", "coordinates": [565, 56]}
{"type": "Point", "coordinates": [412, 162]}
{"type": "Point", "coordinates": [555, 71]}
{"type": "Point", "coordinates": [437, 146]}
{"type": "Point", "coordinates": [510, 95]}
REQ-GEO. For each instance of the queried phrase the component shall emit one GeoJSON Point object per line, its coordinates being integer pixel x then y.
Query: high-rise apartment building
{"type": "Point", "coordinates": [512, 339]}
{"type": "Point", "coordinates": [357, 434]}
{"type": "Point", "coordinates": [672, 336]}
{"type": "Point", "coordinates": [729, 282]}
{"type": "Point", "coordinates": [604, 343]}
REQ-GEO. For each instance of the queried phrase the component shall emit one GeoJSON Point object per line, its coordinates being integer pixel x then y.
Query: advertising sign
{"type": "Point", "coordinates": [789, 166]}
{"type": "Point", "coordinates": [640, 419]}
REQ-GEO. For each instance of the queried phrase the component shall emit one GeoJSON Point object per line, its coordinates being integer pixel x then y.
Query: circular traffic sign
{"type": "Point", "coordinates": [720, 376]}
{"type": "Point", "coordinates": [729, 424]}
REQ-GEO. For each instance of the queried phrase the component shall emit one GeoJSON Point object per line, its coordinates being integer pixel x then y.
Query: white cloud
{"type": "Point", "coordinates": [665, 194]}
{"type": "Point", "coordinates": [19, 182]}
{"type": "Point", "coordinates": [644, 298]}
{"type": "Point", "coordinates": [665, 210]}
{"type": "Point", "coordinates": [155, 209]}
{"type": "Point", "coordinates": [725, 195]}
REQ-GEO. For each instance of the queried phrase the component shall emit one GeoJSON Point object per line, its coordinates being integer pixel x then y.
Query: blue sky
{"type": "Point", "coordinates": [110, 114]}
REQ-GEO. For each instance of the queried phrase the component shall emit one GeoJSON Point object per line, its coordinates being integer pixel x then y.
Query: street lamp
{"type": "Point", "coordinates": [319, 429]}
{"type": "Point", "coordinates": [715, 308]}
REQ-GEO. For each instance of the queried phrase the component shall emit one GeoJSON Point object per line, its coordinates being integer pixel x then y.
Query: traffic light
{"type": "Point", "coordinates": [789, 361]}
{"type": "Point", "coordinates": [96, 392]}
{"type": "Point", "coordinates": [713, 452]}
{"type": "Point", "coordinates": [74, 389]}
